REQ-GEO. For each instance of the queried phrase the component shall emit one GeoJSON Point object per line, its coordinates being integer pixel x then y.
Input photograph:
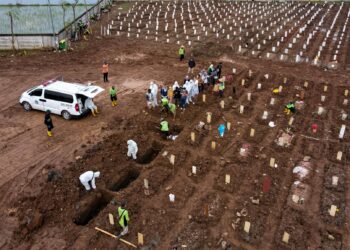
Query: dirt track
{"type": "Point", "coordinates": [27, 154]}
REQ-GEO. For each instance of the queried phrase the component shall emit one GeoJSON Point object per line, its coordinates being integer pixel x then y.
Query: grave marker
{"type": "Point", "coordinates": [222, 104]}
{"type": "Point", "coordinates": [246, 226]}
{"type": "Point", "coordinates": [208, 117]}
{"type": "Point", "coordinates": [193, 137]}
{"type": "Point", "coordinates": [111, 219]}
{"type": "Point", "coordinates": [252, 132]}
{"type": "Point", "coordinates": [291, 120]}
{"type": "Point", "coordinates": [241, 109]}
{"type": "Point", "coordinates": [194, 170]}
{"type": "Point", "coordinates": [249, 96]}
{"type": "Point", "coordinates": [227, 179]}
{"type": "Point", "coordinates": [285, 237]}
{"type": "Point", "coordinates": [140, 239]}
{"type": "Point", "coordinates": [342, 131]}
{"type": "Point", "coordinates": [172, 159]}
{"type": "Point", "coordinates": [339, 155]}
{"type": "Point", "coordinates": [335, 180]}
{"type": "Point", "coordinates": [333, 210]}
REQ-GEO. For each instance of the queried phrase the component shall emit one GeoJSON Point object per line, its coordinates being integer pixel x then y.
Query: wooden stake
{"type": "Point", "coordinates": [252, 132]}
{"type": "Point", "coordinates": [203, 97]}
{"type": "Point", "coordinates": [285, 80]}
{"type": "Point", "coordinates": [113, 236]}
{"type": "Point", "coordinates": [243, 82]}
{"type": "Point", "coordinates": [272, 162]}
{"type": "Point", "coordinates": [228, 125]}
{"type": "Point", "coordinates": [111, 219]}
{"type": "Point", "coordinates": [140, 239]}
{"type": "Point", "coordinates": [325, 88]}
{"type": "Point", "coordinates": [306, 84]}
{"type": "Point", "coordinates": [213, 145]}
{"type": "Point", "coordinates": [346, 92]}
{"type": "Point", "coordinates": [206, 210]}
{"type": "Point", "coordinates": [145, 183]}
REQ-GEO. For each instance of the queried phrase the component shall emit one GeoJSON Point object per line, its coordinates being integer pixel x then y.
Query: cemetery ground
{"type": "Point", "coordinates": [242, 193]}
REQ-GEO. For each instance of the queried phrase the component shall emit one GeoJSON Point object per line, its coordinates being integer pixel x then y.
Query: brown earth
{"type": "Point", "coordinates": [207, 213]}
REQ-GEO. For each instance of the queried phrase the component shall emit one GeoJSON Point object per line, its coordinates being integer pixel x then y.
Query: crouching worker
{"type": "Point", "coordinates": [164, 128]}
{"type": "Point", "coordinates": [132, 149]}
{"type": "Point", "coordinates": [48, 123]}
{"type": "Point", "coordinates": [172, 109]}
{"type": "Point", "coordinates": [290, 107]}
{"type": "Point", "coordinates": [89, 104]}
{"type": "Point", "coordinates": [165, 104]}
{"type": "Point", "coordinates": [88, 178]}
{"type": "Point", "coordinates": [123, 219]}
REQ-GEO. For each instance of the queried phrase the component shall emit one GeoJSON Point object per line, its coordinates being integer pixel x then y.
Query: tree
{"type": "Point", "coordinates": [13, 14]}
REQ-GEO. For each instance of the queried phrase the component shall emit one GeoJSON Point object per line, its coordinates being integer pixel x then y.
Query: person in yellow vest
{"type": "Point", "coordinates": [113, 94]}
{"type": "Point", "coordinates": [182, 52]}
{"type": "Point", "coordinates": [105, 71]}
{"type": "Point", "coordinates": [123, 219]}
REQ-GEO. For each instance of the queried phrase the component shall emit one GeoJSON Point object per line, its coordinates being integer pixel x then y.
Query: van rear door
{"type": "Point", "coordinates": [90, 91]}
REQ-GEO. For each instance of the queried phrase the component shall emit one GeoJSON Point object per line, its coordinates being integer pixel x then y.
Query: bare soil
{"type": "Point", "coordinates": [207, 213]}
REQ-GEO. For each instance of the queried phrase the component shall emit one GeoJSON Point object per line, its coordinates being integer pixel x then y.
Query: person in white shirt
{"type": "Point", "coordinates": [88, 178]}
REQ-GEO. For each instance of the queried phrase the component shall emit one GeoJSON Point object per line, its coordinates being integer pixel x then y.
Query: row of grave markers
{"type": "Point", "coordinates": [295, 18]}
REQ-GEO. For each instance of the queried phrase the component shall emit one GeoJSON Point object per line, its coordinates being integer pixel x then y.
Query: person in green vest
{"type": "Point", "coordinates": [165, 104]}
{"type": "Point", "coordinates": [123, 219]}
{"type": "Point", "coordinates": [164, 128]}
{"type": "Point", "coordinates": [113, 94]}
{"type": "Point", "coordinates": [221, 88]}
{"type": "Point", "coordinates": [289, 108]}
{"type": "Point", "coordinates": [182, 53]}
{"type": "Point", "coordinates": [172, 109]}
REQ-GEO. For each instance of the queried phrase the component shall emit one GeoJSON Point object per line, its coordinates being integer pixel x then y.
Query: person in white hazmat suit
{"type": "Point", "coordinates": [132, 149]}
{"type": "Point", "coordinates": [154, 90]}
{"type": "Point", "coordinates": [88, 178]}
{"type": "Point", "coordinates": [89, 104]}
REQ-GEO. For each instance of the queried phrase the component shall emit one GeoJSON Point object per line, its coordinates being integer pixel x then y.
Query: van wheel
{"type": "Point", "coordinates": [66, 115]}
{"type": "Point", "coordinates": [27, 106]}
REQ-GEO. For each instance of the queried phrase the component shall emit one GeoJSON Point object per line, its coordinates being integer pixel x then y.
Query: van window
{"type": "Point", "coordinates": [57, 96]}
{"type": "Point", "coordinates": [36, 92]}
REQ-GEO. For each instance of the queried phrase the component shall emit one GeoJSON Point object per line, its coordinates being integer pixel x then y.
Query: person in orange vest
{"type": "Point", "coordinates": [105, 71]}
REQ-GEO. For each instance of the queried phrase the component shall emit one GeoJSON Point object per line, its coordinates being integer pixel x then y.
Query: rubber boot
{"type": "Point", "coordinates": [96, 110]}
{"type": "Point", "coordinates": [49, 133]}
{"type": "Point", "coordinates": [93, 112]}
{"type": "Point", "coordinates": [113, 104]}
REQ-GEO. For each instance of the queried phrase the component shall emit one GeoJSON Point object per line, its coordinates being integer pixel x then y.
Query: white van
{"type": "Point", "coordinates": [61, 98]}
